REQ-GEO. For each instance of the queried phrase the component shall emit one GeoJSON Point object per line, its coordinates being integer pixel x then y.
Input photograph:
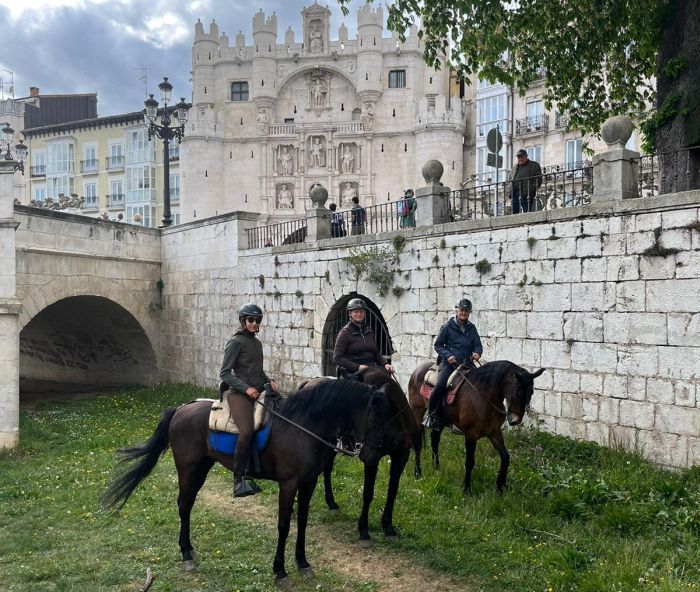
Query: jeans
{"type": "Point", "coordinates": [444, 372]}
{"type": "Point", "coordinates": [522, 203]}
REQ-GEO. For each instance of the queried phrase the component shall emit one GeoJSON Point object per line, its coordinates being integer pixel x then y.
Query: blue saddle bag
{"type": "Point", "coordinates": [225, 443]}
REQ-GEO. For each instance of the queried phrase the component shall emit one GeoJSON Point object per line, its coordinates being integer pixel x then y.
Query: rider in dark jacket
{"type": "Point", "coordinates": [458, 342]}
{"type": "Point", "coordinates": [355, 347]}
{"type": "Point", "coordinates": [242, 370]}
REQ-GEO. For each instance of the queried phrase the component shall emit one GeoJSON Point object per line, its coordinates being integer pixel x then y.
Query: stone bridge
{"type": "Point", "coordinates": [605, 296]}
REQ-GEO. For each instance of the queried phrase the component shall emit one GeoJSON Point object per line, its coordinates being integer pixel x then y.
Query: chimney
{"type": "Point", "coordinates": [33, 91]}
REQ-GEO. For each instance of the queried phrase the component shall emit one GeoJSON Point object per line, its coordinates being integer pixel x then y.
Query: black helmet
{"type": "Point", "coordinates": [249, 310]}
{"type": "Point", "coordinates": [464, 304]}
{"type": "Point", "coordinates": [356, 304]}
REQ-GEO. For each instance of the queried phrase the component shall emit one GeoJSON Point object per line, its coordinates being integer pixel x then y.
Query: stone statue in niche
{"type": "Point", "coordinates": [286, 162]}
{"type": "Point", "coordinates": [285, 200]}
{"type": "Point", "coordinates": [317, 153]}
{"type": "Point", "coordinates": [315, 41]}
{"type": "Point", "coordinates": [318, 93]}
{"type": "Point", "coordinates": [347, 194]}
{"type": "Point", "coordinates": [263, 120]}
{"type": "Point", "coordinates": [368, 116]}
{"type": "Point", "coordinates": [348, 160]}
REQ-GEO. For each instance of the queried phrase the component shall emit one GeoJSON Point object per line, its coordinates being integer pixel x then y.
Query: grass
{"type": "Point", "coordinates": [575, 516]}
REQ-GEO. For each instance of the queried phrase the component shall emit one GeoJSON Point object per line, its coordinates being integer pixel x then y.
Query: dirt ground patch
{"type": "Point", "coordinates": [389, 571]}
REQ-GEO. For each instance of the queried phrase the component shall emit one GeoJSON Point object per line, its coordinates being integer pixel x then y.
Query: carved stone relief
{"type": "Point", "coordinates": [347, 156]}
{"type": "Point", "coordinates": [347, 191]}
{"type": "Point", "coordinates": [285, 160]}
{"type": "Point", "coordinates": [285, 197]}
{"type": "Point", "coordinates": [317, 151]}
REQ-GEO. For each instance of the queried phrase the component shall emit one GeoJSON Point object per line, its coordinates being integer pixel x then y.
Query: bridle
{"type": "Point", "coordinates": [476, 390]}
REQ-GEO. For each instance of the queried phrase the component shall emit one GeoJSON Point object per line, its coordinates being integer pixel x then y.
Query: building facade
{"type": "Point", "coordinates": [101, 167]}
{"type": "Point", "coordinates": [272, 118]}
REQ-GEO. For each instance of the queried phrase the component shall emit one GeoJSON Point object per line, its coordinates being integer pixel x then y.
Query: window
{"type": "Point", "coordinates": [39, 194]}
{"type": "Point", "coordinates": [138, 147]}
{"type": "Point", "coordinates": [143, 215]}
{"type": "Point", "coordinates": [574, 154]}
{"type": "Point", "coordinates": [534, 153]}
{"type": "Point", "coordinates": [491, 111]}
{"type": "Point", "coordinates": [90, 195]}
{"type": "Point", "coordinates": [38, 163]}
{"type": "Point", "coordinates": [174, 151]}
{"type": "Point", "coordinates": [397, 78]}
{"type": "Point", "coordinates": [116, 193]}
{"type": "Point", "coordinates": [239, 91]}
{"type": "Point", "coordinates": [59, 185]}
{"type": "Point", "coordinates": [60, 157]}
{"type": "Point", "coordinates": [175, 187]}
{"type": "Point", "coordinates": [116, 156]}
{"type": "Point", "coordinates": [140, 184]}
{"type": "Point", "coordinates": [89, 163]}
{"type": "Point", "coordinates": [487, 174]}
{"type": "Point", "coordinates": [535, 108]}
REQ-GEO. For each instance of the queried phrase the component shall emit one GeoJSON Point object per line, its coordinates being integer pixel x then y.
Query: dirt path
{"type": "Point", "coordinates": [389, 571]}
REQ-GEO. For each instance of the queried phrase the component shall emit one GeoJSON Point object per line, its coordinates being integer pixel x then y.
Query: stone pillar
{"type": "Point", "coordinates": [244, 221]}
{"type": "Point", "coordinates": [433, 200]}
{"type": "Point", "coordinates": [616, 171]}
{"type": "Point", "coordinates": [9, 313]}
{"type": "Point", "coordinates": [318, 216]}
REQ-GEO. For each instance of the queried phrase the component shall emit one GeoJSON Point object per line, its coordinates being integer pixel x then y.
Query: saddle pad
{"type": "Point", "coordinates": [431, 375]}
{"type": "Point", "coordinates": [226, 443]}
{"type": "Point", "coordinates": [220, 416]}
{"type": "Point", "coordinates": [426, 390]}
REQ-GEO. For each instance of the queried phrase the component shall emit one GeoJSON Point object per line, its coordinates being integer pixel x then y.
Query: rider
{"type": "Point", "coordinates": [242, 371]}
{"type": "Point", "coordinates": [458, 342]}
{"type": "Point", "coordinates": [355, 347]}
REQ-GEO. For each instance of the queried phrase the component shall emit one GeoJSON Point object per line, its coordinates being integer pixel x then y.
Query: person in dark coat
{"type": "Point", "coordinates": [355, 347]}
{"type": "Point", "coordinates": [458, 342]}
{"type": "Point", "coordinates": [525, 178]}
{"type": "Point", "coordinates": [242, 371]}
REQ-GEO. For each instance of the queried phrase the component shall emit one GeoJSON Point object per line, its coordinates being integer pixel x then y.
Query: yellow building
{"type": "Point", "coordinates": [106, 166]}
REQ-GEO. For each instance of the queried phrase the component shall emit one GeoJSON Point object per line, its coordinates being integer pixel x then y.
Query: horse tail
{"type": "Point", "coordinates": [149, 452]}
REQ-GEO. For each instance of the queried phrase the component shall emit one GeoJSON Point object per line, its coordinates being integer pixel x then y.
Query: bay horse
{"type": "Point", "coordinates": [478, 410]}
{"type": "Point", "coordinates": [292, 456]}
{"type": "Point", "coordinates": [401, 434]}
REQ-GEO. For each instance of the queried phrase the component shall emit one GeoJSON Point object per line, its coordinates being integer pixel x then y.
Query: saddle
{"type": "Point", "coordinates": [453, 382]}
{"type": "Point", "coordinates": [220, 415]}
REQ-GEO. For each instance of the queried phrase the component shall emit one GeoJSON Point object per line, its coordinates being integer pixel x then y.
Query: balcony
{"type": "Point", "coordinates": [115, 163]}
{"type": "Point", "coordinates": [89, 166]}
{"type": "Point", "coordinates": [115, 201]}
{"type": "Point", "coordinates": [38, 171]}
{"type": "Point", "coordinates": [90, 203]}
{"type": "Point", "coordinates": [561, 120]}
{"type": "Point", "coordinates": [350, 126]}
{"type": "Point", "coordinates": [282, 129]}
{"type": "Point", "coordinates": [532, 125]}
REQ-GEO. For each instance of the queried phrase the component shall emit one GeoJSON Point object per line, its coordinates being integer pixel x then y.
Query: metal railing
{"type": "Point", "coordinates": [114, 162]}
{"type": "Point", "coordinates": [38, 170]}
{"type": "Point", "coordinates": [561, 120]}
{"type": "Point", "coordinates": [115, 200]}
{"type": "Point", "coordinates": [557, 189]}
{"type": "Point", "coordinates": [666, 172]}
{"type": "Point", "coordinates": [272, 235]}
{"type": "Point", "coordinates": [89, 166]}
{"type": "Point", "coordinates": [531, 124]}
{"type": "Point", "coordinates": [90, 203]}
{"type": "Point", "coordinates": [382, 217]}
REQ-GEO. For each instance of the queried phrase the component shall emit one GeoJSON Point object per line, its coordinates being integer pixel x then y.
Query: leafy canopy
{"type": "Point", "coordinates": [599, 55]}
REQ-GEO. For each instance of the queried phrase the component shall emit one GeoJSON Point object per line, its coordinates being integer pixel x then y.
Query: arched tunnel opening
{"type": "Point", "coordinates": [84, 344]}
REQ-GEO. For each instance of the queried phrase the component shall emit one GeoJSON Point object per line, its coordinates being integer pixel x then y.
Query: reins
{"type": "Point", "coordinates": [478, 392]}
{"type": "Point", "coordinates": [334, 447]}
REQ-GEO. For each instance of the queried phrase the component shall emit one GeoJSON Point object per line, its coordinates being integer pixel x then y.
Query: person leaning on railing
{"type": "Point", "coordinates": [525, 178]}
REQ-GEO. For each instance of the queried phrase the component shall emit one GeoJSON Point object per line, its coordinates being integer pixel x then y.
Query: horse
{"type": "Point", "coordinates": [297, 451]}
{"type": "Point", "coordinates": [401, 434]}
{"type": "Point", "coordinates": [478, 410]}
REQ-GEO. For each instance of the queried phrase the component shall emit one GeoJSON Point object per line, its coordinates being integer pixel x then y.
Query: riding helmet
{"type": "Point", "coordinates": [356, 304]}
{"type": "Point", "coordinates": [249, 310]}
{"type": "Point", "coordinates": [464, 304]}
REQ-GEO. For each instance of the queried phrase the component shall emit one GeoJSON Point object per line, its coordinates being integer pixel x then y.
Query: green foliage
{"type": "Point", "coordinates": [657, 119]}
{"type": "Point", "coordinates": [160, 285]}
{"type": "Point", "coordinates": [674, 67]}
{"type": "Point", "coordinates": [397, 291]}
{"type": "Point", "coordinates": [261, 281]}
{"type": "Point", "coordinates": [531, 240]}
{"type": "Point", "coordinates": [482, 266]}
{"type": "Point", "coordinates": [656, 250]}
{"type": "Point", "coordinates": [374, 263]}
{"type": "Point", "coordinates": [327, 275]}
{"type": "Point", "coordinates": [399, 242]}
{"type": "Point", "coordinates": [443, 244]}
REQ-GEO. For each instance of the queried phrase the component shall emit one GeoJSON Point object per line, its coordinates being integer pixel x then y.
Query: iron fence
{"type": "Point", "coordinates": [571, 186]}
{"type": "Point", "coordinates": [382, 217]}
{"type": "Point", "coordinates": [272, 235]}
{"type": "Point", "coordinates": [666, 172]}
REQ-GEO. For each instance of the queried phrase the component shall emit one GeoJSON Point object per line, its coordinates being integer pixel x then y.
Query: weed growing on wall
{"type": "Point", "coordinates": [374, 263]}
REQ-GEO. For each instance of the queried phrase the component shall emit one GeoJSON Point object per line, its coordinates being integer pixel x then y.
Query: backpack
{"type": "Point", "coordinates": [402, 207]}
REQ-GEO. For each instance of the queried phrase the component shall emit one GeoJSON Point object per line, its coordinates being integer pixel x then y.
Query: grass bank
{"type": "Point", "coordinates": [575, 517]}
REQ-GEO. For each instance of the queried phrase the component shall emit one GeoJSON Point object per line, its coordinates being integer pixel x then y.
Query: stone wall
{"type": "Point", "coordinates": [605, 297]}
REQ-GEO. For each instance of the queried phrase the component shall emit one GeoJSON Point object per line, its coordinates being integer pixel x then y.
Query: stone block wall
{"type": "Point", "coordinates": [605, 297]}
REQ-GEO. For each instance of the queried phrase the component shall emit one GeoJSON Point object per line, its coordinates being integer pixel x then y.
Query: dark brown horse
{"type": "Point", "coordinates": [478, 410]}
{"type": "Point", "coordinates": [292, 457]}
{"type": "Point", "coordinates": [401, 433]}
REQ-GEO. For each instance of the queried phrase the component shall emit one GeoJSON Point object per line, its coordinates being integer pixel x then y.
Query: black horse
{"type": "Point", "coordinates": [292, 457]}
{"type": "Point", "coordinates": [401, 434]}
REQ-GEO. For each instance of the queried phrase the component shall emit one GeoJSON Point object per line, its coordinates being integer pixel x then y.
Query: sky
{"type": "Point", "coordinates": [103, 46]}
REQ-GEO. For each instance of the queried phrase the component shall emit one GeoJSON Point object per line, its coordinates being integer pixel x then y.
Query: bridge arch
{"type": "Point", "coordinates": [87, 330]}
{"type": "Point", "coordinates": [338, 317]}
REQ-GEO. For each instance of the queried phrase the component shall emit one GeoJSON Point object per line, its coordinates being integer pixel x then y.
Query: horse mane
{"type": "Point", "coordinates": [335, 397]}
{"type": "Point", "coordinates": [492, 374]}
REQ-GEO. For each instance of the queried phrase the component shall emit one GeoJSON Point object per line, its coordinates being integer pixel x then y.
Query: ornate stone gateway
{"type": "Point", "coordinates": [338, 318]}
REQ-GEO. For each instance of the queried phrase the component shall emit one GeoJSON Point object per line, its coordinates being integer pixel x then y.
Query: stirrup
{"type": "Point", "coordinates": [242, 488]}
{"type": "Point", "coordinates": [431, 421]}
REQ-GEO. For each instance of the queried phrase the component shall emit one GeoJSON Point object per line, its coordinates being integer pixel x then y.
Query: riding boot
{"type": "Point", "coordinates": [242, 487]}
{"type": "Point", "coordinates": [431, 419]}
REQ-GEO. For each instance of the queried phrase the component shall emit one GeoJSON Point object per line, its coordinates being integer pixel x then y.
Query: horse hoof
{"type": "Point", "coordinates": [365, 543]}
{"type": "Point", "coordinates": [283, 583]}
{"type": "Point", "coordinates": [188, 566]}
{"type": "Point", "coordinates": [333, 507]}
{"type": "Point", "coordinates": [307, 572]}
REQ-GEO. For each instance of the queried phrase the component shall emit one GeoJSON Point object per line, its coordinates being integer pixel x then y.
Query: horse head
{"type": "Point", "coordinates": [518, 401]}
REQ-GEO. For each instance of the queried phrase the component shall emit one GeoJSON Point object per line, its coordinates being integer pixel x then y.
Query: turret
{"type": "Point", "coordinates": [205, 51]}
{"type": "Point", "coordinates": [370, 23]}
{"type": "Point", "coordinates": [264, 55]}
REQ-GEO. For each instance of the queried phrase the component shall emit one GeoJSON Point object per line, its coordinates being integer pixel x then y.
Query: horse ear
{"type": "Point", "coordinates": [537, 373]}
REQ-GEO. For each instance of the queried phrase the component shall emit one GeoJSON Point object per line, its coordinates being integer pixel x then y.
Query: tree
{"type": "Point", "coordinates": [601, 57]}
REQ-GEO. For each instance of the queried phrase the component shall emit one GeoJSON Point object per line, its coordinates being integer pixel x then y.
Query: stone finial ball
{"type": "Point", "coordinates": [617, 130]}
{"type": "Point", "coordinates": [432, 171]}
{"type": "Point", "coordinates": [318, 195]}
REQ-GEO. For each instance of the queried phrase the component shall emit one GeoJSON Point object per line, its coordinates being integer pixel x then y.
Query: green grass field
{"type": "Point", "coordinates": [575, 516]}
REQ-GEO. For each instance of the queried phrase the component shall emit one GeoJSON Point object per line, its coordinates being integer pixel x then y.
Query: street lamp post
{"type": "Point", "coordinates": [165, 133]}
{"type": "Point", "coordinates": [20, 149]}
